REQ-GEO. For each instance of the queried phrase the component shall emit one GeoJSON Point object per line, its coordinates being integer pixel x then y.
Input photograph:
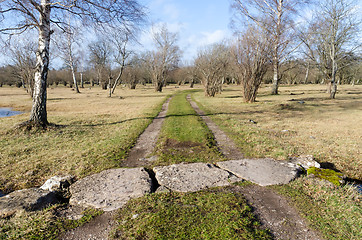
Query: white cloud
{"type": "Point", "coordinates": [207, 38]}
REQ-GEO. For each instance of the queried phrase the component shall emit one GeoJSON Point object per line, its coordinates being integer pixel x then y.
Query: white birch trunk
{"type": "Point", "coordinates": [38, 112]}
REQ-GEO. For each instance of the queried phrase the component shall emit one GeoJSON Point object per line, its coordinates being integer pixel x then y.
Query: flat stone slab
{"type": "Point", "coordinates": [27, 199]}
{"type": "Point", "coordinates": [111, 189]}
{"type": "Point", "coordinates": [193, 177]}
{"type": "Point", "coordinates": [261, 171]}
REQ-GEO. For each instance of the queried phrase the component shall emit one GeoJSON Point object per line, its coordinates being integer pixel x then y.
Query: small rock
{"type": "Point", "coordinates": [27, 199]}
{"type": "Point", "coordinates": [285, 130]}
{"type": "Point", "coordinates": [301, 102]}
{"type": "Point", "coordinates": [163, 189]}
{"type": "Point", "coordinates": [135, 216]}
{"type": "Point", "coordinates": [58, 183]}
{"type": "Point", "coordinates": [29, 173]}
{"type": "Point", "coordinates": [305, 161]}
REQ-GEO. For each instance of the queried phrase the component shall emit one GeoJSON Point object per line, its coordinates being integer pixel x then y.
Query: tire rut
{"type": "Point", "coordinates": [273, 210]}
{"type": "Point", "coordinates": [100, 227]}
{"type": "Point", "coordinates": [226, 146]}
{"type": "Point", "coordinates": [138, 156]}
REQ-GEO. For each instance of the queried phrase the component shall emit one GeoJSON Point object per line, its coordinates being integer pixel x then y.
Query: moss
{"type": "Point", "coordinates": [326, 174]}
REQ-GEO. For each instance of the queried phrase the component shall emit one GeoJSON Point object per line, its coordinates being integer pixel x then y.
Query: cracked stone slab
{"type": "Point", "coordinates": [26, 199]}
{"type": "Point", "coordinates": [193, 177]}
{"type": "Point", "coordinates": [111, 189]}
{"type": "Point", "coordinates": [264, 171]}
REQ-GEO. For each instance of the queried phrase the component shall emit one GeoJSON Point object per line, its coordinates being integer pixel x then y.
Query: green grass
{"type": "Point", "coordinates": [184, 136]}
{"type": "Point", "coordinates": [201, 215]}
{"type": "Point", "coordinates": [41, 225]}
{"type": "Point", "coordinates": [334, 211]}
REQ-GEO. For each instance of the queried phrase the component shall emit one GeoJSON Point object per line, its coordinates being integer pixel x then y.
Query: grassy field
{"type": "Point", "coordinates": [95, 134]}
{"type": "Point", "coordinates": [301, 120]}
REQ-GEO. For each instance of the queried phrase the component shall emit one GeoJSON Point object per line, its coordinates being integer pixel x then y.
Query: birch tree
{"type": "Point", "coordinates": [333, 36]}
{"type": "Point", "coordinates": [121, 41]}
{"type": "Point", "coordinates": [43, 15]}
{"type": "Point", "coordinates": [66, 44]}
{"type": "Point", "coordinates": [275, 17]}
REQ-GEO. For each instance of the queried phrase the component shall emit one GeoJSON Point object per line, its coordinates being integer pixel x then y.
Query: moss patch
{"type": "Point", "coordinates": [326, 174]}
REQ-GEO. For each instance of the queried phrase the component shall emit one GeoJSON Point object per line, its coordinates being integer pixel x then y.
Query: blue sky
{"type": "Point", "coordinates": [198, 22]}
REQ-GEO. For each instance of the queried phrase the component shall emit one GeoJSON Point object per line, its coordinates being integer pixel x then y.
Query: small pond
{"type": "Point", "coordinates": [7, 112]}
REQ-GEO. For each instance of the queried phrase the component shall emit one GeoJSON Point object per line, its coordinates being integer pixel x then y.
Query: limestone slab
{"type": "Point", "coordinates": [193, 177]}
{"type": "Point", "coordinates": [111, 189]}
{"type": "Point", "coordinates": [261, 171]}
{"type": "Point", "coordinates": [26, 199]}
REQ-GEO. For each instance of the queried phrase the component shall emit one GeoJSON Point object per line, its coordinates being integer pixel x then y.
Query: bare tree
{"type": "Point", "coordinates": [134, 72]}
{"type": "Point", "coordinates": [23, 56]}
{"type": "Point", "coordinates": [212, 63]}
{"type": "Point", "coordinates": [165, 58]}
{"type": "Point", "coordinates": [100, 54]}
{"type": "Point", "coordinates": [252, 53]}
{"type": "Point", "coordinates": [66, 44]}
{"type": "Point", "coordinates": [120, 41]}
{"type": "Point", "coordinates": [332, 37]}
{"type": "Point", "coordinates": [275, 17]}
{"type": "Point", "coordinates": [44, 14]}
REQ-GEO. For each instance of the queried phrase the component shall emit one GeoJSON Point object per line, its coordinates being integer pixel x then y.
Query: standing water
{"type": "Point", "coordinates": [7, 112]}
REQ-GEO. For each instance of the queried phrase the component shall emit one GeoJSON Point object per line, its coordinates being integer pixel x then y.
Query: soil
{"type": "Point", "coordinates": [98, 229]}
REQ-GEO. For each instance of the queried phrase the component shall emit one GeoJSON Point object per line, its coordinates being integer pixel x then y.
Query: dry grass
{"type": "Point", "coordinates": [329, 129]}
{"type": "Point", "coordinates": [96, 133]}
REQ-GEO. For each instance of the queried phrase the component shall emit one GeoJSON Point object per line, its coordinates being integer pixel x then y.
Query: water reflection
{"type": "Point", "coordinates": [7, 112]}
